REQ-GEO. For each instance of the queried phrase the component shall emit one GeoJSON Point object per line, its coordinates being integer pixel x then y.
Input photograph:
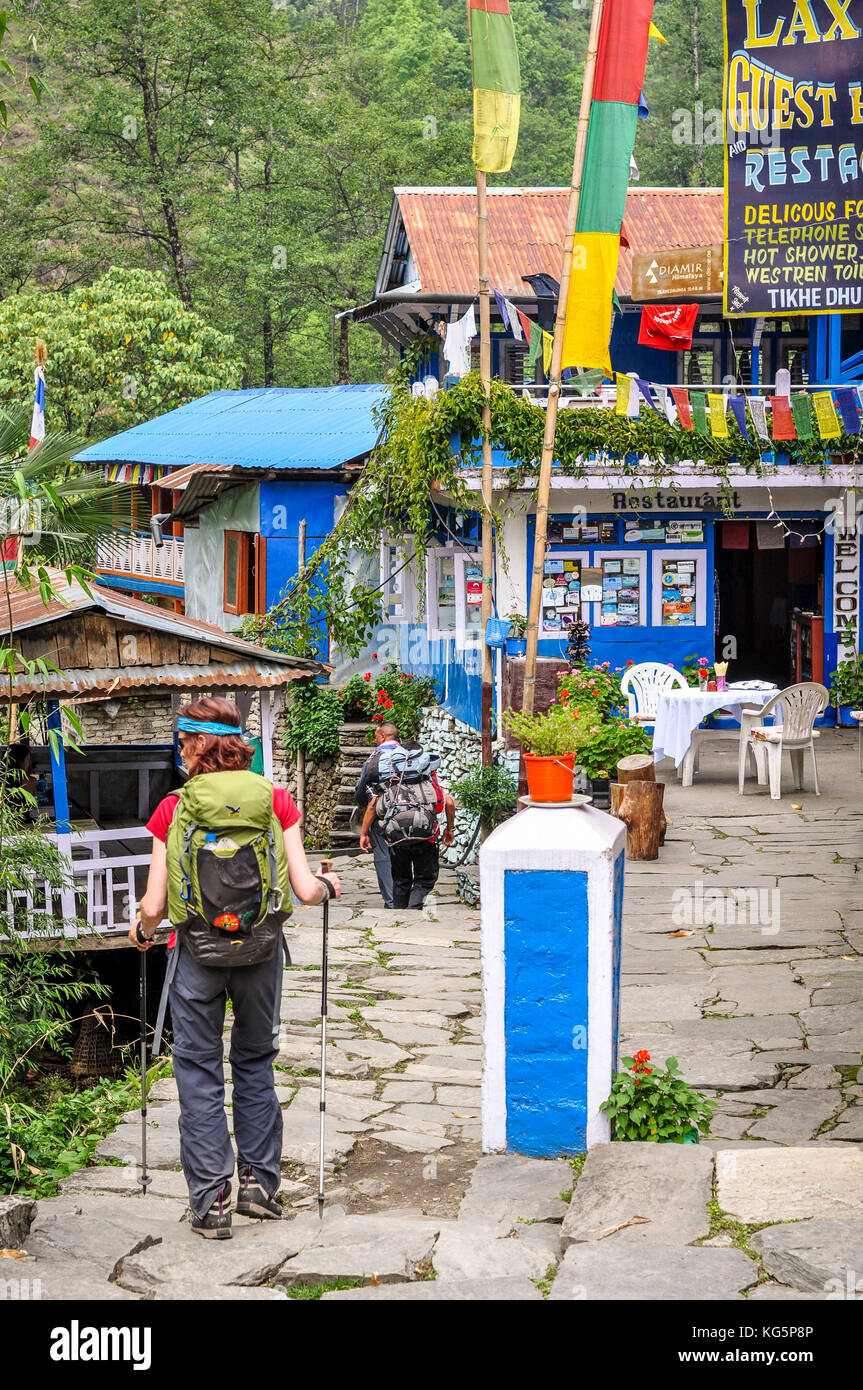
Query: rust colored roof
{"type": "Point", "coordinates": [254, 665]}
{"type": "Point", "coordinates": [526, 228]}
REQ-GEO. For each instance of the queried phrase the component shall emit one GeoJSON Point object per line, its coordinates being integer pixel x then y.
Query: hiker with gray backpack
{"type": "Point", "coordinates": [406, 801]}
{"type": "Point", "coordinates": [227, 852]}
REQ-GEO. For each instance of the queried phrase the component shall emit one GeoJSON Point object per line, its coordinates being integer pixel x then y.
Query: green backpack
{"type": "Point", "coordinates": [228, 884]}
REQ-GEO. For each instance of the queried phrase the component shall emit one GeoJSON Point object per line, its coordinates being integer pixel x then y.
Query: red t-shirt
{"type": "Point", "coordinates": [283, 805]}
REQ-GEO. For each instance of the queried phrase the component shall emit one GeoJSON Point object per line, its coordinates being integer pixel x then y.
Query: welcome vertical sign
{"type": "Point", "coordinates": [793, 157]}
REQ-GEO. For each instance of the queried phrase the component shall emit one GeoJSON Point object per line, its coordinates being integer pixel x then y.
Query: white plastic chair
{"type": "Point", "coordinates": [643, 684]}
{"type": "Point", "coordinates": [801, 705]}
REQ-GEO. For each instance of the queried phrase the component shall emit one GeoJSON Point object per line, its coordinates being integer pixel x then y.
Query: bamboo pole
{"type": "Point", "coordinates": [487, 475]}
{"type": "Point", "coordinates": [301, 754]}
{"type": "Point", "coordinates": [544, 487]}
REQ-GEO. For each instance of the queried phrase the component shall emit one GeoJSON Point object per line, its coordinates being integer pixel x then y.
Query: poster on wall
{"type": "Point", "coordinates": [684, 532]}
{"type": "Point", "coordinates": [678, 593]}
{"type": "Point", "coordinates": [638, 531]}
{"type": "Point", "coordinates": [562, 530]}
{"type": "Point", "coordinates": [561, 595]}
{"type": "Point", "coordinates": [621, 593]}
{"type": "Point", "coordinates": [793, 144]}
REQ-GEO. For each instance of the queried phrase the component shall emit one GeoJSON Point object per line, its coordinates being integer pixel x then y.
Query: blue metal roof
{"type": "Point", "coordinates": [268, 427]}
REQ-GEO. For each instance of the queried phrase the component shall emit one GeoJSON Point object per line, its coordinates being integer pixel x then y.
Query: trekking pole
{"type": "Point", "coordinates": [144, 1179]}
{"type": "Point", "coordinates": [326, 866]}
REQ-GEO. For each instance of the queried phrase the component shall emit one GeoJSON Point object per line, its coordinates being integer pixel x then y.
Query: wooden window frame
{"type": "Point", "coordinates": [235, 605]}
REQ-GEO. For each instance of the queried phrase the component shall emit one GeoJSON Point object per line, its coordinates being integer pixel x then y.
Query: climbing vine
{"type": "Point", "coordinates": [427, 444]}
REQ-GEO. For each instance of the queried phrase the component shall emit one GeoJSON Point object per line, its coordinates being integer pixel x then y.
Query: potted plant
{"type": "Point", "coordinates": [549, 742]}
{"type": "Point", "coordinates": [600, 748]}
{"type": "Point", "coordinates": [516, 644]}
{"type": "Point", "coordinates": [655, 1106]}
{"type": "Point", "coordinates": [846, 685]}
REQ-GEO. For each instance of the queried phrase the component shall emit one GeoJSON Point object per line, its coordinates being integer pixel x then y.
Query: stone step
{"type": "Point", "coordinates": [342, 837]}
{"type": "Point", "coordinates": [349, 751]}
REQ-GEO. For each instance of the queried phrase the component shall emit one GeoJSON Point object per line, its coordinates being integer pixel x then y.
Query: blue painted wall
{"type": "Point", "coordinates": [283, 506]}
{"type": "Point", "coordinates": [457, 674]}
{"type": "Point", "coordinates": [546, 998]}
{"type": "Point", "coordinates": [621, 644]}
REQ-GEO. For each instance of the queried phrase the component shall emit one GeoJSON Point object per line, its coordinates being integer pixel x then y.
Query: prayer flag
{"type": "Point", "coordinates": [783, 420]}
{"type": "Point", "coordinates": [758, 411]}
{"type": "Point", "coordinates": [698, 405]}
{"type": "Point", "coordinates": [738, 410]}
{"type": "Point", "coordinates": [501, 308]}
{"type": "Point", "coordinates": [802, 417]}
{"type": "Point", "coordinates": [496, 85]}
{"type": "Point", "coordinates": [624, 389]}
{"type": "Point", "coordinates": [620, 64]}
{"type": "Point", "coordinates": [718, 418]}
{"type": "Point", "coordinates": [680, 396]}
{"type": "Point", "coordinates": [825, 414]}
{"type": "Point", "coordinates": [846, 399]}
{"type": "Point", "coordinates": [547, 345]}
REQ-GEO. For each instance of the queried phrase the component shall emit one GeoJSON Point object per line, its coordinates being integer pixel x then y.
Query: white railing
{"type": "Point", "coordinates": [139, 556]}
{"type": "Point", "coordinates": [105, 890]}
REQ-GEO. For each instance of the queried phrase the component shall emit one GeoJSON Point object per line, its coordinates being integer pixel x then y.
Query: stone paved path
{"type": "Point", "coordinates": [764, 1012]}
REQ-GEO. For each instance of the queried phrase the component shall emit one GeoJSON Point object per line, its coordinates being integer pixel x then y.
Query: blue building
{"type": "Point", "coordinates": [672, 575]}
{"type": "Point", "coordinates": [233, 475]}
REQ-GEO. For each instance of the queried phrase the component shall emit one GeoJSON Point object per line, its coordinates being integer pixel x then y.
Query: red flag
{"type": "Point", "coordinates": [525, 324]}
{"type": "Point", "coordinates": [783, 420]}
{"type": "Point", "coordinates": [667, 326]}
{"type": "Point", "coordinates": [680, 396]}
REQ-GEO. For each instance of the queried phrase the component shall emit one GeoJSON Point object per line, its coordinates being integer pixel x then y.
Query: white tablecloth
{"type": "Point", "coordinates": [679, 713]}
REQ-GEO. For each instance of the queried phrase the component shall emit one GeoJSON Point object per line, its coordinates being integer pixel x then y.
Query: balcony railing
{"type": "Point", "coordinates": [106, 886]}
{"type": "Point", "coordinates": [140, 557]}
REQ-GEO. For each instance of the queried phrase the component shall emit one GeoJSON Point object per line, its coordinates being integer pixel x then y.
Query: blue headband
{"type": "Point", "coordinates": [208, 726]}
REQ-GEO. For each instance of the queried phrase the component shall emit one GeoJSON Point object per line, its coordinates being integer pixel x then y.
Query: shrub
{"type": "Point", "coordinates": [553, 734]}
{"type": "Point", "coordinates": [312, 721]}
{"type": "Point", "coordinates": [596, 686]}
{"type": "Point", "coordinates": [491, 793]}
{"type": "Point", "coordinates": [603, 744]}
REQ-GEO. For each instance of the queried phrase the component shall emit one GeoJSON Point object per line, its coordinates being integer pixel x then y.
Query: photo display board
{"type": "Point", "coordinates": [678, 593]}
{"type": "Point", "coordinates": [563, 529]}
{"type": "Point", "coordinates": [621, 592]}
{"type": "Point", "coordinates": [561, 595]}
{"type": "Point", "coordinates": [668, 532]}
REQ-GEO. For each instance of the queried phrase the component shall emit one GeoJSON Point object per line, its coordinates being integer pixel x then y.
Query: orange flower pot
{"type": "Point", "coordinates": [550, 779]}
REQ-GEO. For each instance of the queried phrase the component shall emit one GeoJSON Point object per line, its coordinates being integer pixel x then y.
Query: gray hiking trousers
{"type": "Point", "coordinates": [197, 995]}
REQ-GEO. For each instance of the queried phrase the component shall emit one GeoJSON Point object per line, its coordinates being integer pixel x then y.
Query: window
{"type": "Point", "coordinates": [679, 588]}
{"type": "Point", "coordinates": [245, 573]}
{"type": "Point", "coordinates": [396, 581]}
{"type": "Point", "coordinates": [454, 588]}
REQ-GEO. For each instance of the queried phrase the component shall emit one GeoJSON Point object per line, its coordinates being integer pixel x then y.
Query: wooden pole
{"type": "Point", "coordinates": [556, 356]}
{"type": "Point", "coordinates": [487, 475]}
{"type": "Point", "coordinates": [301, 755]}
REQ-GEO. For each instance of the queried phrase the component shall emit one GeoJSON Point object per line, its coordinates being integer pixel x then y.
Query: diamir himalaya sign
{"type": "Point", "coordinates": [682, 271]}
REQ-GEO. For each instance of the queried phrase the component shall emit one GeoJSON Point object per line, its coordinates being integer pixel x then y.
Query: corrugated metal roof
{"type": "Point", "coordinates": [270, 427]}
{"type": "Point", "coordinates": [526, 229]}
{"type": "Point", "coordinates": [28, 611]}
{"type": "Point", "coordinates": [244, 675]}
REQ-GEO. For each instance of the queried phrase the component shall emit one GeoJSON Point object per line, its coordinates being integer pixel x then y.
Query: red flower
{"type": "Point", "coordinates": [374, 656]}
{"type": "Point", "coordinates": [630, 662]}
{"type": "Point", "coordinates": [377, 716]}
{"type": "Point", "coordinates": [564, 696]}
{"type": "Point", "coordinates": [641, 1057]}
{"type": "Point", "coordinates": [594, 692]}
{"type": "Point", "coordinates": [381, 697]}
{"type": "Point", "coordinates": [367, 676]}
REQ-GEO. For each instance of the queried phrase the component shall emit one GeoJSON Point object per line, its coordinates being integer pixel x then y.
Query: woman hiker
{"type": "Point", "coordinates": [226, 947]}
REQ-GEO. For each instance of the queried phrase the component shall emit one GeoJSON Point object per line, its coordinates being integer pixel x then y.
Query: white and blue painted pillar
{"type": "Point", "coordinates": [552, 905]}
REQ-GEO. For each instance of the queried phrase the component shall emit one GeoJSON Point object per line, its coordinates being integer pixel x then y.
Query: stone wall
{"type": "Point", "coordinates": [460, 750]}
{"type": "Point", "coordinates": [130, 719]}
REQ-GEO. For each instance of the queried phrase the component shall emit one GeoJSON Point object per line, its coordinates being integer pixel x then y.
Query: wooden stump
{"type": "Point", "coordinates": [639, 771]}
{"type": "Point", "coordinates": [638, 767]}
{"type": "Point", "coordinates": [639, 806]}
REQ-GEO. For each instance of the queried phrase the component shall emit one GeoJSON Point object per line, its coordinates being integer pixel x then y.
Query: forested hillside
{"type": "Point", "coordinates": [248, 150]}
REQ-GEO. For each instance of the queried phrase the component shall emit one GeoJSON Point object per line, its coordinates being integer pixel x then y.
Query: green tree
{"type": "Point", "coordinates": [120, 351]}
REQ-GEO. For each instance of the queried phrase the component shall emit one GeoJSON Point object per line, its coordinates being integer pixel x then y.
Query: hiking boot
{"type": "Point", "coordinates": [253, 1200]}
{"type": "Point", "coordinates": [216, 1225]}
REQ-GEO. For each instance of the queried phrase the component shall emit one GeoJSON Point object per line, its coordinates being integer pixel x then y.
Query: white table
{"type": "Point", "coordinates": [679, 713]}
